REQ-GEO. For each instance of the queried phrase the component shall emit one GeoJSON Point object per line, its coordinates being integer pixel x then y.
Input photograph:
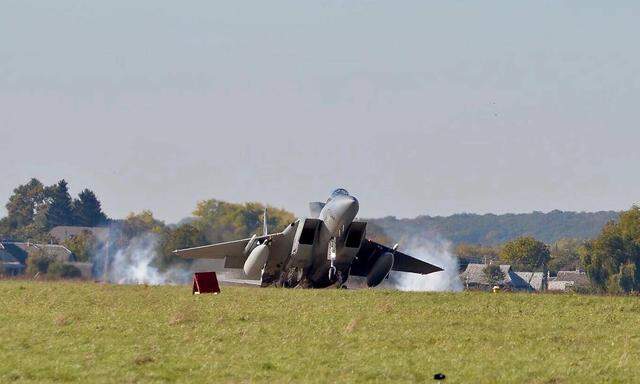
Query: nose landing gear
{"type": "Point", "coordinates": [332, 271]}
{"type": "Point", "coordinates": [331, 256]}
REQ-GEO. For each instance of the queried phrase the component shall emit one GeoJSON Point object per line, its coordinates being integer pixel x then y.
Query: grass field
{"type": "Point", "coordinates": [86, 332]}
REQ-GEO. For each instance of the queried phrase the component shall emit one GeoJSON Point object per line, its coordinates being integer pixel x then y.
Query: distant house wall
{"type": "Point", "coordinates": [569, 281]}
{"type": "Point", "coordinates": [9, 265]}
{"type": "Point", "coordinates": [562, 286]}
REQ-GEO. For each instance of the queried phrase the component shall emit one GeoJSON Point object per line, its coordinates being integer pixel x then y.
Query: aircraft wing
{"type": "Point", "coordinates": [370, 250]}
{"type": "Point", "coordinates": [231, 251]}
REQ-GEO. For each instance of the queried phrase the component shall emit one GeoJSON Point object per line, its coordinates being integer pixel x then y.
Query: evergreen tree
{"type": "Point", "coordinates": [60, 210]}
{"type": "Point", "coordinates": [87, 210]}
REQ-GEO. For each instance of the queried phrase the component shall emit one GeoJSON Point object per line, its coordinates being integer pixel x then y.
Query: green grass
{"type": "Point", "coordinates": [85, 332]}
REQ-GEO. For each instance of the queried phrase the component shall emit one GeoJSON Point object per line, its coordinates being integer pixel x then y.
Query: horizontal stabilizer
{"type": "Point", "coordinates": [402, 262]}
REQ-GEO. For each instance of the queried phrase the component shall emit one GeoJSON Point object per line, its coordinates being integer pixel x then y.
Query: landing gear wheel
{"type": "Point", "coordinates": [340, 280]}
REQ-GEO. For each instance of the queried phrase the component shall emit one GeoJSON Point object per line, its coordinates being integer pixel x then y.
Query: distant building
{"type": "Point", "coordinates": [577, 277]}
{"type": "Point", "coordinates": [57, 252]}
{"type": "Point", "coordinates": [529, 280]}
{"type": "Point", "coordinates": [474, 277]}
{"type": "Point", "coordinates": [569, 281]}
{"type": "Point", "coordinates": [561, 286]}
{"type": "Point", "coordinates": [9, 265]}
{"type": "Point", "coordinates": [17, 253]}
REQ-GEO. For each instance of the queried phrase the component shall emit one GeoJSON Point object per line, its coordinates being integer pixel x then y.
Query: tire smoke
{"type": "Point", "coordinates": [437, 252]}
{"type": "Point", "coordinates": [136, 262]}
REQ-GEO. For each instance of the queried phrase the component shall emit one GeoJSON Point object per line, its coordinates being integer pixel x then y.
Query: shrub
{"type": "Point", "coordinates": [38, 262]}
{"type": "Point", "coordinates": [64, 271]}
{"type": "Point", "coordinates": [82, 245]}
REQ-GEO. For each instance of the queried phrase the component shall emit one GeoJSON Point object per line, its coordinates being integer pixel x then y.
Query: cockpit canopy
{"type": "Point", "coordinates": [339, 192]}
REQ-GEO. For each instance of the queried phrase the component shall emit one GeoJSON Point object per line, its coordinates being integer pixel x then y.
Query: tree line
{"type": "Point", "coordinates": [33, 209]}
{"type": "Point", "coordinates": [491, 229]}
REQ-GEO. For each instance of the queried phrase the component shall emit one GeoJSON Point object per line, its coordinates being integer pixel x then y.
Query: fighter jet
{"type": "Point", "coordinates": [319, 251]}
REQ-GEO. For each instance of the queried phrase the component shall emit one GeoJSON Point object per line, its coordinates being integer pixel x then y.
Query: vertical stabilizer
{"type": "Point", "coordinates": [315, 208]}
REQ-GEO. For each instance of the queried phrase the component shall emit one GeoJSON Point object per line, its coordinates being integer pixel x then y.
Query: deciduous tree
{"type": "Point", "coordinates": [565, 255]}
{"type": "Point", "coordinates": [25, 202]}
{"type": "Point", "coordinates": [222, 221]}
{"type": "Point", "coordinates": [525, 253]}
{"type": "Point", "coordinates": [83, 245]}
{"type": "Point", "coordinates": [611, 260]}
{"type": "Point", "coordinates": [140, 223]}
{"type": "Point", "coordinates": [185, 236]}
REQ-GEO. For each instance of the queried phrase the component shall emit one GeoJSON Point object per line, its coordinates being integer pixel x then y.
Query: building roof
{"type": "Point", "coordinates": [528, 280]}
{"type": "Point", "coordinates": [63, 232]}
{"type": "Point", "coordinates": [474, 274]}
{"type": "Point", "coordinates": [8, 261]}
{"type": "Point", "coordinates": [21, 250]}
{"type": "Point", "coordinates": [15, 251]}
{"type": "Point", "coordinates": [578, 277]}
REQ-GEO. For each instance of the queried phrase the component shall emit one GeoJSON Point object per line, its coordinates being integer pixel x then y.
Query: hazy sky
{"type": "Point", "coordinates": [416, 107]}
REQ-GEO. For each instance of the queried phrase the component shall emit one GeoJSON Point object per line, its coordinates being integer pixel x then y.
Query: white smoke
{"type": "Point", "coordinates": [436, 252]}
{"type": "Point", "coordinates": [136, 263]}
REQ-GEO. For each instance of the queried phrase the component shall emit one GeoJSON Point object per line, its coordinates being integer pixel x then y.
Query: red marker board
{"type": "Point", "coordinates": [205, 282]}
